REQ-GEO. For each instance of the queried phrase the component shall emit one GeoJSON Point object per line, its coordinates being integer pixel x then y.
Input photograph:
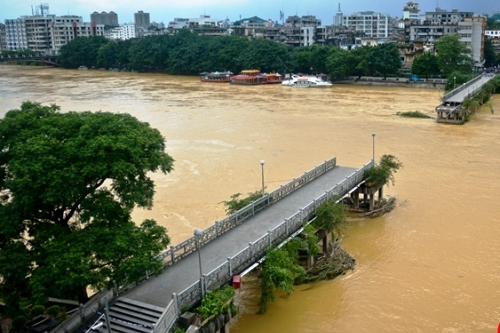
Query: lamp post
{"type": "Point", "coordinates": [373, 146]}
{"type": "Point", "coordinates": [454, 82]}
{"type": "Point", "coordinates": [262, 162]}
{"type": "Point", "coordinates": [197, 235]}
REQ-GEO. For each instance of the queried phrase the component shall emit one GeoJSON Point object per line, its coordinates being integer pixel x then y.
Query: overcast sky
{"type": "Point", "coordinates": [166, 10]}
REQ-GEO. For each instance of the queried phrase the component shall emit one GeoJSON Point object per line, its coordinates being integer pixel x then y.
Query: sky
{"type": "Point", "coordinates": [166, 10]}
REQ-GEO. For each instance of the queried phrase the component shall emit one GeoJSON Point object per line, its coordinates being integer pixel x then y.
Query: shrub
{"type": "Point", "coordinates": [383, 173]}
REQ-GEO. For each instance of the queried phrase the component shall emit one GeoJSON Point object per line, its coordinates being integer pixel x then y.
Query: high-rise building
{"type": "Point", "coordinates": [141, 19]}
{"type": "Point", "coordinates": [110, 19]}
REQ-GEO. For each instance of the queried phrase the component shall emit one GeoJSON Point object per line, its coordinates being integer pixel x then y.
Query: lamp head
{"type": "Point", "coordinates": [373, 134]}
{"type": "Point", "coordinates": [262, 162]}
{"type": "Point", "coordinates": [197, 232]}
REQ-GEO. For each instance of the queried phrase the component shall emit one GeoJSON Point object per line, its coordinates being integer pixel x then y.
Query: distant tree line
{"type": "Point", "coordinates": [187, 53]}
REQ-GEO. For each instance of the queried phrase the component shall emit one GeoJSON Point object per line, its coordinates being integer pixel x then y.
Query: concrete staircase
{"type": "Point", "coordinates": [130, 316]}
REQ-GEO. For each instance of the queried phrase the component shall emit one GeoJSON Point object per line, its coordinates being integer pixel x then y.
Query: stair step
{"type": "Point", "coordinates": [132, 316]}
{"type": "Point", "coordinates": [142, 305]}
{"type": "Point", "coordinates": [119, 326]}
{"type": "Point", "coordinates": [128, 307]}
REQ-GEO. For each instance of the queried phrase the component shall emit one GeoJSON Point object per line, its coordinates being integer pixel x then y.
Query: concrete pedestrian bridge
{"type": "Point", "coordinates": [211, 259]}
{"type": "Point", "coordinates": [450, 109]}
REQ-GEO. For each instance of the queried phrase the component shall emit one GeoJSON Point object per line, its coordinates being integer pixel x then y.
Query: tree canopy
{"type": "Point", "coordinates": [425, 65]}
{"type": "Point", "coordinates": [453, 55]}
{"type": "Point", "coordinates": [68, 184]}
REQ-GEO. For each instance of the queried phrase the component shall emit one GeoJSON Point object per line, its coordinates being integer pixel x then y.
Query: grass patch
{"type": "Point", "coordinates": [413, 114]}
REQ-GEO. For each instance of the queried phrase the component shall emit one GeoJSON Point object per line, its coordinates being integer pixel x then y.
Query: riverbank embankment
{"type": "Point", "coordinates": [394, 82]}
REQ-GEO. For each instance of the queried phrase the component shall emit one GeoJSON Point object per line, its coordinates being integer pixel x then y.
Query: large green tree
{"type": "Point", "coordinates": [68, 183]}
{"type": "Point", "coordinates": [453, 55]}
{"type": "Point", "coordinates": [425, 65]}
{"type": "Point", "coordinates": [384, 59]}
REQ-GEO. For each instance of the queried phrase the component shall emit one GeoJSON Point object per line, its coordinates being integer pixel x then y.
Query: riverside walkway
{"type": "Point", "coordinates": [226, 249]}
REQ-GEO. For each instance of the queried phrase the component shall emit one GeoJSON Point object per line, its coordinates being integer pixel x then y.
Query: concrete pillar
{"type": "Point", "coordinates": [325, 243]}
{"type": "Point", "coordinates": [381, 193]}
{"type": "Point", "coordinates": [355, 198]}
{"type": "Point", "coordinates": [372, 202]}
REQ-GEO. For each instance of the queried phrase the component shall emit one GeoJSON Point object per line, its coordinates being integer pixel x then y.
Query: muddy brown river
{"type": "Point", "coordinates": [430, 265]}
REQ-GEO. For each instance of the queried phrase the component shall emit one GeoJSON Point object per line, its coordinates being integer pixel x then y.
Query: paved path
{"type": "Point", "coordinates": [459, 96]}
{"type": "Point", "coordinates": [158, 290]}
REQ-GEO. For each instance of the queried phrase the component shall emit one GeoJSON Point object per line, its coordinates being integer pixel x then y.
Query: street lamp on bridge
{"type": "Point", "coordinates": [454, 81]}
{"type": "Point", "coordinates": [262, 162]}
{"type": "Point", "coordinates": [197, 236]}
{"type": "Point", "coordinates": [373, 146]}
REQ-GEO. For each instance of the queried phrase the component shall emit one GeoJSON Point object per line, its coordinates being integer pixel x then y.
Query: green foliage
{"type": "Point", "coordinates": [81, 51]}
{"type": "Point", "coordinates": [383, 173]}
{"type": "Point", "coordinates": [179, 330]}
{"type": "Point", "coordinates": [53, 311]}
{"type": "Point", "coordinates": [384, 59]}
{"type": "Point", "coordinates": [235, 204]}
{"type": "Point", "coordinates": [216, 302]}
{"type": "Point", "coordinates": [330, 215]}
{"type": "Point", "coordinates": [456, 79]}
{"type": "Point", "coordinates": [311, 239]}
{"type": "Point", "coordinates": [453, 55]}
{"type": "Point", "coordinates": [413, 114]}
{"type": "Point", "coordinates": [69, 182]}
{"type": "Point", "coordinates": [18, 323]}
{"type": "Point", "coordinates": [37, 310]}
{"type": "Point", "coordinates": [280, 270]}
{"type": "Point", "coordinates": [425, 65]}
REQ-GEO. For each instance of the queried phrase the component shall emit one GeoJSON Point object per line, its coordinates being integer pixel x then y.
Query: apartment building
{"type": "Point", "coordinates": [15, 34]}
{"type": "Point", "coordinates": [3, 38]}
{"type": "Point", "coordinates": [47, 34]}
{"type": "Point", "coordinates": [471, 32]}
{"type": "Point", "coordinates": [369, 23]}
{"type": "Point", "coordinates": [141, 19]}
{"type": "Point", "coordinates": [64, 29]}
{"type": "Point", "coordinates": [110, 19]}
{"type": "Point", "coordinates": [123, 32]}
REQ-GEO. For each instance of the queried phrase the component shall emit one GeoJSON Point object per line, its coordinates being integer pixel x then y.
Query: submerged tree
{"type": "Point", "coordinates": [68, 183]}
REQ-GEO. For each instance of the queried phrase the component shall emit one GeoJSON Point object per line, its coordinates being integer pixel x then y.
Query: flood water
{"type": "Point", "coordinates": [430, 265]}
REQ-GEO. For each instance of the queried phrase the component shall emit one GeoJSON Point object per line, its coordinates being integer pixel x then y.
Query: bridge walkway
{"type": "Point", "coordinates": [158, 290]}
{"type": "Point", "coordinates": [466, 90]}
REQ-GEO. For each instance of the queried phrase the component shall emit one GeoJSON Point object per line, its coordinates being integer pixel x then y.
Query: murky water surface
{"type": "Point", "coordinates": [431, 265]}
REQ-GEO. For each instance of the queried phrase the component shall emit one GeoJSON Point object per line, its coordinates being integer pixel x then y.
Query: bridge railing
{"type": "Point", "coordinates": [188, 246]}
{"type": "Point", "coordinates": [460, 88]}
{"type": "Point", "coordinates": [257, 250]}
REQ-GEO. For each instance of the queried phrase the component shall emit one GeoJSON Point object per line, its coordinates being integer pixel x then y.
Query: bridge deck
{"type": "Point", "coordinates": [158, 290]}
{"type": "Point", "coordinates": [471, 88]}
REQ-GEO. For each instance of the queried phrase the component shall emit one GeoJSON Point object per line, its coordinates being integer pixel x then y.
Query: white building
{"type": "Point", "coordinates": [15, 34]}
{"type": "Point", "coordinates": [123, 32]}
{"type": "Point", "coordinates": [370, 23]}
{"type": "Point", "coordinates": [471, 32]}
{"type": "Point", "coordinates": [195, 23]}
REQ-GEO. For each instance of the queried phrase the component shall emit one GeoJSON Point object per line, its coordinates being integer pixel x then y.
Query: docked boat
{"type": "Point", "coordinates": [306, 82]}
{"type": "Point", "coordinates": [83, 67]}
{"type": "Point", "coordinates": [249, 77]}
{"type": "Point", "coordinates": [217, 77]}
{"type": "Point", "coordinates": [273, 78]}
